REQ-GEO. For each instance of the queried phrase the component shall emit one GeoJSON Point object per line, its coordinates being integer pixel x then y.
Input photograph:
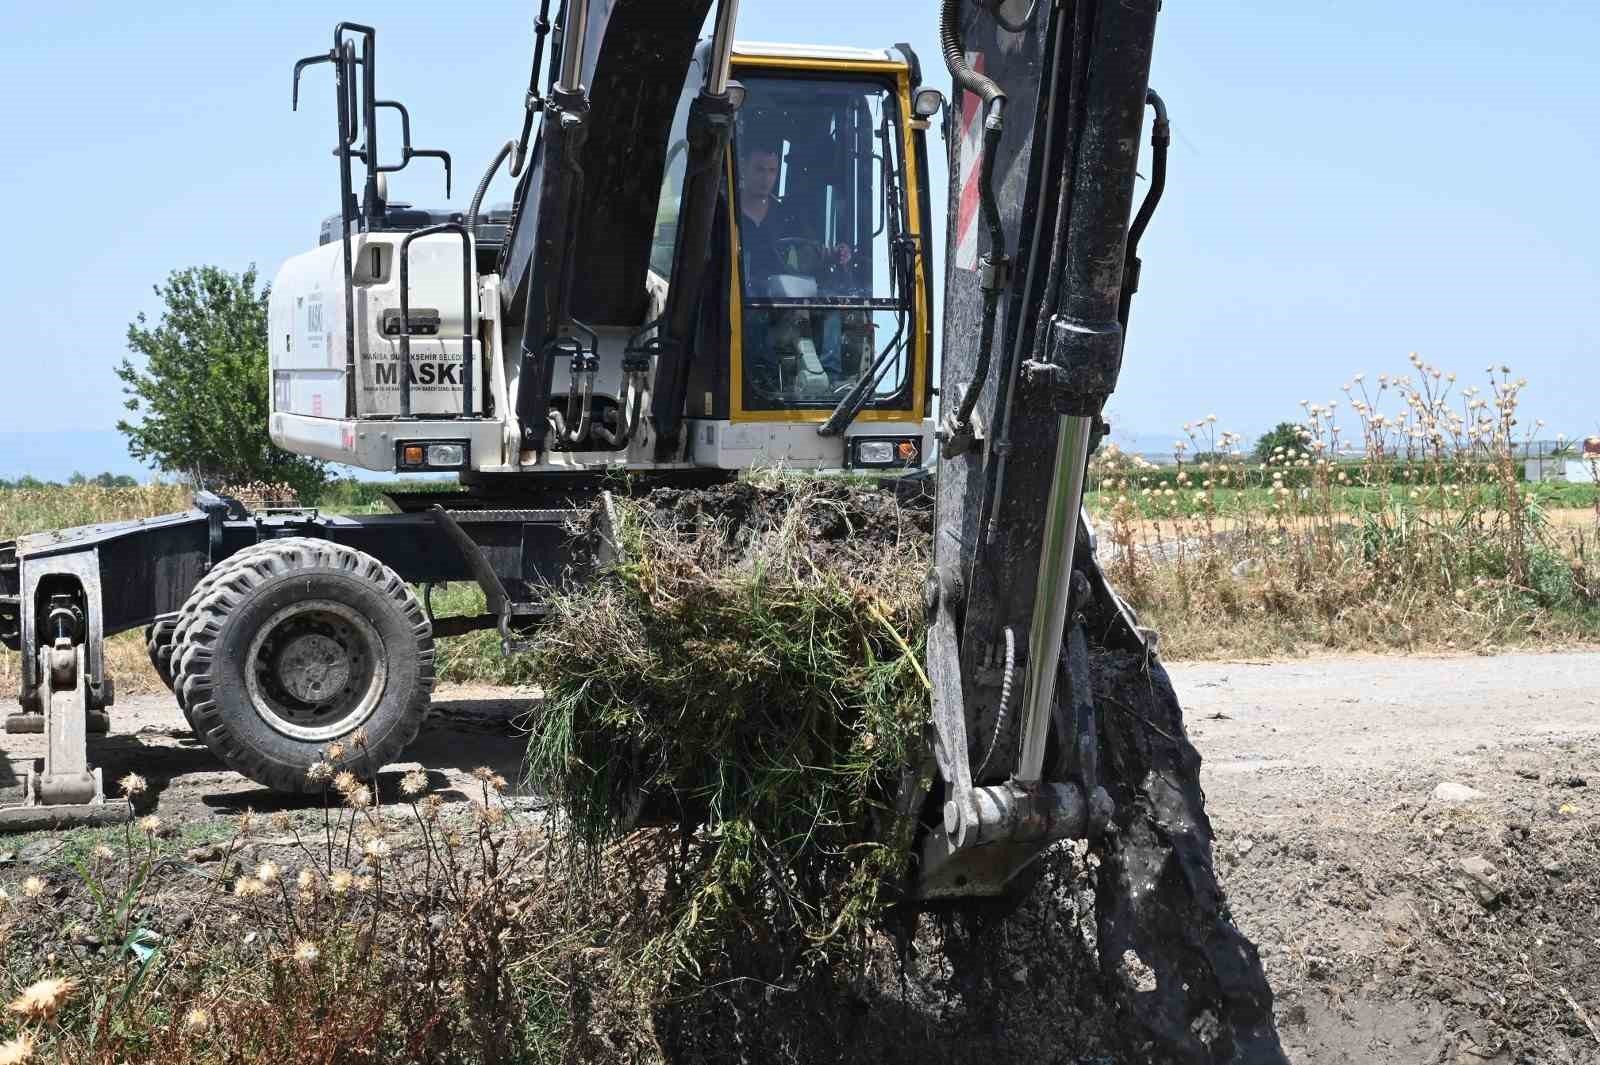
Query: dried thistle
{"type": "Point", "coordinates": [267, 872]}
{"type": "Point", "coordinates": [359, 797]}
{"type": "Point", "coordinates": [335, 751]}
{"type": "Point", "coordinates": [320, 772]}
{"type": "Point", "coordinates": [197, 1020]}
{"type": "Point", "coordinates": [415, 782]}
{"type": "Point", "coordinates": [150, 824]}
{"type": "Point", "coordinates": [249, 887]}
{"type": "Point", "coordinates": [33, 887]}
{"type": "Point", "coordinates": [306, 880]}
{"type": "Point", "coordinates": [132, 784]}
{"type": "Point", "coordinates": [41, 1000]}
{"type": "Point", "coordinates": [103, 853]}
{"type": "Point", "coordinates": [306, 953]}
{"type": "Point", "coordinates": [341, 881]}
{"type": "Point", "coordinates": [344, 782]}
{"type": "Point", "coordinates": [376, 849]}
{"type": "Point", "coordinates": [17, 1051]}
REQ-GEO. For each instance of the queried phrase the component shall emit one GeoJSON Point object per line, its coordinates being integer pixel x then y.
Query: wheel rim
{"type": "Point", "coordinates": [315, 670]}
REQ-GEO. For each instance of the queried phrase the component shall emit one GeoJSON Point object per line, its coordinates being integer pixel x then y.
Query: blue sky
{"type": "Point", "coordinates": [1352, 180]}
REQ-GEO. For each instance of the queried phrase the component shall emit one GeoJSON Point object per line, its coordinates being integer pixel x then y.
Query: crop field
{"type": "Point", "coordinates": [1429, 540]}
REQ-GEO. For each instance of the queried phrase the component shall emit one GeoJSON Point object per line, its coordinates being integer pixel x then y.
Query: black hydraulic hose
{"type": "Point", "coordinates": [1006, 682]}
{"type": "Point", "coordinates": [992, 286]}
{"type": "Point", "coordinates": [1160, 141]}
{"type": "Point", "coordinates": [581, 398]}
{"type": "Point", "coordinates": [534, 103]}
{"type": "Point", "coordinates": [630, 420]}
{"type": "Point", "coordinates": [994, 100]}
{"type": "Point", "coordinates": [483, 186]}
{"type": "Point", "coordinates": [955, 57]}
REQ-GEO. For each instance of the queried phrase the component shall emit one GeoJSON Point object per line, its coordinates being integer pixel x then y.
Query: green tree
{"type": "Point", "coordinates": [202, 393]}
{"type": "Point", "coordinates": [1288, 436]}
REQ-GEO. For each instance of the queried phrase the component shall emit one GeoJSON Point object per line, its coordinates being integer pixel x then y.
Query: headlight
{"type": "Point", "coordinates": [927, 102]}
{"type": "Point", "coordinates": [446, 454]}
{"type": "Point", "coordinates": [874, 453]}
{"type": "Point", "coordinates": [885, 452]}
{"type": "Point", "coordinates": [430, 455]}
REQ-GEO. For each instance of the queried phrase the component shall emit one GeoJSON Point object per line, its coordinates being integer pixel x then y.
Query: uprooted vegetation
{"type": "Point", "coordinates": [751, 664]}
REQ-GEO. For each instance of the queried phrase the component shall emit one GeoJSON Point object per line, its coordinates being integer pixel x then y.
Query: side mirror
{"type": "Point", "coordinates": [927, 102]}
{"type": "Point", "coordinates": [737, 95]}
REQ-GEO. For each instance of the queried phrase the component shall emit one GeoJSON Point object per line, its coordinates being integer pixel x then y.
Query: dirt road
{"type": "Point", "coordinates": [470, 727]}
{"type": "Point", "coordinates": [1411, 841]}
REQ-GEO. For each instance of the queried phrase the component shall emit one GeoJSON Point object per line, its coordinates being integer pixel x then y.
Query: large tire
{"type": "Point", "coordinates": [158, 644]}
{"type": "Point", "coordinates": [186, 617]}
{"type": "Point", "coordinates": [298, 643]}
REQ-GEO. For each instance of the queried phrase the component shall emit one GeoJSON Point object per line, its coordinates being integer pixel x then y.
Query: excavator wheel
{"type": "Point", "coordinates": [182, 623]}
{"type": "Point", "coordinates": [158, 644]}
{"type": "Point", "coordinates": [301, 643]}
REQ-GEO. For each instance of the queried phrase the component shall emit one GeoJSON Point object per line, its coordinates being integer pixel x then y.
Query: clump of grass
{"type": "Point", "coordinates": [1412, 531]}
{"type": "Point", "coordinates": [748, 671]}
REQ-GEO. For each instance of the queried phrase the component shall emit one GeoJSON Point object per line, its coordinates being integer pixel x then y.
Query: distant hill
{"type": "Point", "coordinates": [1151, 445]}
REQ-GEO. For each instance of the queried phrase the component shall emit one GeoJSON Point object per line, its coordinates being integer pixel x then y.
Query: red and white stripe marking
{"type": "Point", "coordinates": [971, 166]}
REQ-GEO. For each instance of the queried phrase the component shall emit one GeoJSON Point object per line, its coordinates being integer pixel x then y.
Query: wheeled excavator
{"type": "Point", "coordinates": [718, 256]}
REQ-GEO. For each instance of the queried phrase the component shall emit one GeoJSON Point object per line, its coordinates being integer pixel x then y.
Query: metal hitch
{"type": "Point", "coordinates": [68, 791]}
{"type": "Point", "coordinates": [64, 692]}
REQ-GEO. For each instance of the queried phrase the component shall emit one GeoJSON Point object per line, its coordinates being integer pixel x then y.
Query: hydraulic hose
{"type": "Point", "coordinates": [1006, 684]}
{"type": "Point", "coordinates": [992, 286]}
{"type": "Point", "coordinates": [483, 186]}
{"type": "Point", "coordinates": [955, 58]}
{"type": "Point", "coordinates": [623, 435]}
{"type": "Point", "coordinates": [578, 410]}
{"type": "Point", "coordinates": [994, 101]}
{"type": "Point", "coordinates": [1160, 141]}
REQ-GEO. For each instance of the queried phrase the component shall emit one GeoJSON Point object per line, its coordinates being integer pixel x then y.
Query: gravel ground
{"type": "Point", "coordinates": [1412, 843]}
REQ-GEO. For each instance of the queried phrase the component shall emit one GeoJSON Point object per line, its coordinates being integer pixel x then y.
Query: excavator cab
{"type": "Point", "coordinates": [823, 334]}
{"type": "Point", "coordinates": [546, 340]}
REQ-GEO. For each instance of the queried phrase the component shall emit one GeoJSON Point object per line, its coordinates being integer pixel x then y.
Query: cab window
{"type": "Point", "coordinates": [666, 239]}
{"type": "Point", "coordinates": [826, 270]}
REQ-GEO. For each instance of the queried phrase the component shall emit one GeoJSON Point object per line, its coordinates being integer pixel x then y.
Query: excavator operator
{"type": "Point", "coordinates": [775, 243]}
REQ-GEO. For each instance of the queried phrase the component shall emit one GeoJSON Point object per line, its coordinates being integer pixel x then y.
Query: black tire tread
{"type": "Point", "coordinates": [158, 645]}
{"type": "Point", "coordinates": [237, 581]}
{"type": "Point", "coordinates": [186, 619]}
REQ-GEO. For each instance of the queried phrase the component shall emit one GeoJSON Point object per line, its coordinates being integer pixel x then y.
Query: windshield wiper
{"type": "Point", "coordinates": [905, 254]}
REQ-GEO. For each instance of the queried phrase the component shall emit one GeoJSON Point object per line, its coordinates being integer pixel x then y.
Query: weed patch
{"type": "Point", "coordinates": [748, 671]}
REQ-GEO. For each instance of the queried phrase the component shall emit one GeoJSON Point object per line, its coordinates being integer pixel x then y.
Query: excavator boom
{"type": "Point", "coordinates": [1049, 107]}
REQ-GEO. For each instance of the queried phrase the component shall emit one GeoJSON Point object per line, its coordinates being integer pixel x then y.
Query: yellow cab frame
{"type": "Point", "coordinates": [915, 149]}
